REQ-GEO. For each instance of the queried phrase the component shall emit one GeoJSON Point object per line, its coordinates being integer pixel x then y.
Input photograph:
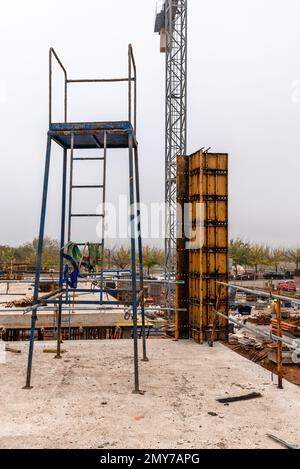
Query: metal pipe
{"type": "Point", "coordinates": [285, 340]}
{"type": "Point", "coordinates": [88, 280]}
{"type": "Point", "coordinates": [83, 308]}
{"type": "Point", "coordinates": [88, 187]}
{"type": "Point", "coordinates": [104, 290]}
{"type": "Point", "coordinates": [70, 187]}
{"type": "Point", "coordinates": [35, 307]}
{"type": "Point", "coordinates": [129, 85]}
{"type": "Point", "coordinates": [99, 80]}
{"type": "Point", "coordinates": [50, 87]}
{"type": "Point", "coordinates": [140, 250]}
{"type": "Point", "coordinates": [133, 265]}
{"type": "Point", "coordinates": [103, 218]}
{"type": "Point", "coordinates": [38, 263]}
{"type": "Point", "coordinates": [85, 215]}
{"type": "Point", "coordinates": [53, 53]}
{"type": "Point", "coordinates": [66, 101]}
{"type": "Point", "coordinates": [88, 302]}
{"type": "Point", "coordinates": [135, 86]}
{"type": "Point", "coordinates": [262, 293]}
{"type": "Point", "coordinates": [62, 244]}
{"type": "Point", "coordinates": [279, 345]}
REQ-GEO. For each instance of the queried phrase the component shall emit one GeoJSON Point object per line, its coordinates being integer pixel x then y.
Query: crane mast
{"type": "Point", "coordinates": [171, 24]}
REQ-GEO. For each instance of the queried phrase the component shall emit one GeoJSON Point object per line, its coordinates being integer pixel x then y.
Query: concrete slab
{"type": "Point", "coordinates": [16, 320]}
{"type": "Point", "coordinates": [18, 291]}
{"type": "Point", "coordinates": [84, 400]}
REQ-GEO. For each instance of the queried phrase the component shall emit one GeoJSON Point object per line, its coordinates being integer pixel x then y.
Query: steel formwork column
{"type": "Point", "coordinates": [182, 270]}
{"type": "Point", "coordinates": [176, 102]}
{"type": "Point", "coordinates": [208, 250]}
{"type": "Point", "coordinates": [38, 263]}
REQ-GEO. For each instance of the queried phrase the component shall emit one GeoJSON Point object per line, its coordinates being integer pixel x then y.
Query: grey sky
{"type": "Point", "coordinates": [243, 99]}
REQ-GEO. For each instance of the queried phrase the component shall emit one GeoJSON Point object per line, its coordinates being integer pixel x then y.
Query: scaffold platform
{"type": "Point", "coordinates": [73, 136]}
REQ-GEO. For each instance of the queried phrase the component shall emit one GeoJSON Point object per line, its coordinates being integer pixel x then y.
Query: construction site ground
{"type": "Point", "coordinates": [85, 400]}
{"type": "Point", "coordinates": [290, 372]}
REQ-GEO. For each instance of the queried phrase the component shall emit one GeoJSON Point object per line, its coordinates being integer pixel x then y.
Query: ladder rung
{"type": "Point", "coordinates": [86, 215]}
{"type": "Point", "coordinates": [88, 187]}
{"type": "Point", "coordinates": [88, 159]}
{"type": "Point", "coordinates": [84, 244]}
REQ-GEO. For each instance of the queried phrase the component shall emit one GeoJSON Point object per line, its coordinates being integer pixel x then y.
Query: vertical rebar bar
{"type": "Point", "coordinates": [53, 53]}
{"type": "Point", "coordinates": [279, 344]}
{"type": "Point", "coordinates": [133, 267]}
{"type": "Point", "coordinates": [62, 244]}
{"type": "Point", "coordinates": [66, 100]}
{"type": "Point", "coordinates": [50, 87]}
{"type": "Point", "coordinates": [103, 218]}
{"type": "Point", "coordinates": [129, 84]}
{"type": "Point", "coordinates": [140, 250]}
{"type": "Point", "coordinates": [71, 187]}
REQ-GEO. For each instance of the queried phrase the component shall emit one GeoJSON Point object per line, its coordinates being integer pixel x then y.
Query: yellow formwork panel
{"type": "Point", "coordinates": [208, 262]}
{"type": "Point", "coordinates": [208, 173]}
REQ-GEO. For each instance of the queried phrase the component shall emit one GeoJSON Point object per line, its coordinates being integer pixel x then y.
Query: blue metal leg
{"type": "Point", "coordinates": [62, 244]}
{"type": "Point", "coordinates": [38, 264]}
{"type": "Point", "coordinates": [133, 268]}
{"type": "Point", "coordinates": [140, 249]}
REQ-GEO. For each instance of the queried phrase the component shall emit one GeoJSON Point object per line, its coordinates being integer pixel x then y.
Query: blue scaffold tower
{"type": "Point", "coordinates": [104, 136]}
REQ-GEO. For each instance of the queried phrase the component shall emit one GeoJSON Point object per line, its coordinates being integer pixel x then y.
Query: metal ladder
{"type": "Point", "coordinates": [89, 215]}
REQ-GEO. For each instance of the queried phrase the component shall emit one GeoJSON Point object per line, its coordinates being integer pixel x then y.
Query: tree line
{"type": "Point", "coordinates": [22, 258]}
{"type": "Point", "coordinates": [243, 253]}
{"type": "Point", "coordinates": [259, 256]}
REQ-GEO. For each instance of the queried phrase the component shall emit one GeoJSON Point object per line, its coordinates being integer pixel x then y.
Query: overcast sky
{"type": "Point", "coordinates": [243, 98]}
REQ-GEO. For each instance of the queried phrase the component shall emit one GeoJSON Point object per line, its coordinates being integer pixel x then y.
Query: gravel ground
{"type": "Point", "coordinates": [85, 400]}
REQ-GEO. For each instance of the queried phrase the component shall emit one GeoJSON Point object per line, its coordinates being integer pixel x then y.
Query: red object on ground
{"type": "Point", "coordinates": [287, 285]}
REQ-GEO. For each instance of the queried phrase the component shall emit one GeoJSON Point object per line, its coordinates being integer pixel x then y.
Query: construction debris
{"type": "Point", "coordinates": [287, 327]}
{"type": "Point", "coordinates": [246, 342]}
{"type": "Point", "coordinates": [29, 301]}
{"type": "Point", "coordinates": [287, 354]}
{"type": "Point", "coordinates": [261, 318]}
{"type": "Point", "coordinates": [46, 287]}
{"type": "Point", "coordinates": [12, 350]}
{"type": "Point", "coordinates": [21, 303]}
{"type": "Point", "coordinates": [282, 442]}
{"type": "Point", "coordinates": [295, 319]}
{"type": "Point", "coordinates": [164, 327]}
{"type": "Point", "coordinates": [256, 349]}
{"type": "Point", "coordinates": [251, 297]}
{"type": "Point", "coordinates": [260, 356]}
{"type": "Point", "coordinates": [245, 397]}
{"type": "Point", "coordinates": [52, 350]}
